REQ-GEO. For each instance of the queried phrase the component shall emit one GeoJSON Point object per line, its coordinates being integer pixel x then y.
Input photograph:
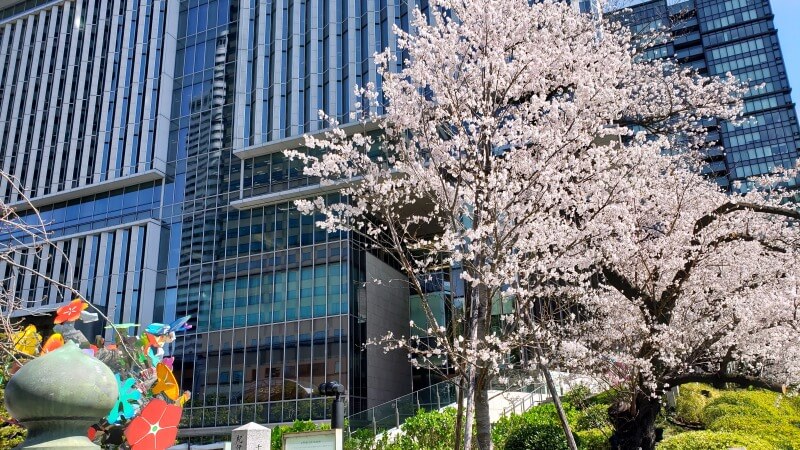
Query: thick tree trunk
{"type": "Point", "coordinates": [634, 425]}
{"type": "Point", "coordinates": [482, 421]}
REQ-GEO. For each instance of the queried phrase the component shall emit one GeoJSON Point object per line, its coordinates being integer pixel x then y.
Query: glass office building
{"type": "Point", "coordinates": [736, 36]}
{"type": "Point", "coordinates": [280, 306]}
{"type": "Point", "coordinates": [149, 133]}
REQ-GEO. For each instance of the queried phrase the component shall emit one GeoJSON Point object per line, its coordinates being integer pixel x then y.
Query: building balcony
{"type": "Point", "coordinates": [294, 142]}
{"type": "Point", "coordinates": [83, 191]}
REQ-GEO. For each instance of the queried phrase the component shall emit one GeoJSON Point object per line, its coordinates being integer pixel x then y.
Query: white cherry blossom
{"type": "Point", "coordinates": [557, 172]}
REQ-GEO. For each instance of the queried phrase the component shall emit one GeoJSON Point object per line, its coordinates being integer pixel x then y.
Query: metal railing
{"type": "Point", "coordinates": [394, 413]}
{"type": "Point", "coordinates": [537, 394]}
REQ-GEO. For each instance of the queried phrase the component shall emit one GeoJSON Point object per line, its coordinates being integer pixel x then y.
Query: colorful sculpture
{"type": "Point", "coordinates": [149, 405]}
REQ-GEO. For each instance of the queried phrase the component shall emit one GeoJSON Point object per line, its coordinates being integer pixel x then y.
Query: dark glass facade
{"type": "Point", "coordinates": [737, 36]}
{"type": "Point", "coordinates": [280, 305]}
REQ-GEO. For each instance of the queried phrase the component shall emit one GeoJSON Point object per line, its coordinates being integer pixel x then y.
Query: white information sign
{"type": "Point", "coordinates": [313, 440]}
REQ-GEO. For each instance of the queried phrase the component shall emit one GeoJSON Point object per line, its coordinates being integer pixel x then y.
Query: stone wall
{"type": "Point", "coordinates": [389, 374]}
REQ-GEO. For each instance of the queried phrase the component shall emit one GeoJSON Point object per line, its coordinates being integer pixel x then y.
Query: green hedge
{"type": "Point", "coordinates": [297, 427]}
{"type": "Point", "coordinates": [594, 439]}
{"type": "Point", "coordinates": [766, 415]}
{"type": "Point", "coordinates": [711, 440]}
{"type": "Point", "coordinates": [434, 430]}
{"type": "Point", "coordinates": [427, 430]}
{"type": "Point", "coordinates": [537, 436]}
{"type": "Point", "coordinates": [538, 415]}
{"type": "Point", "coordinates": [550, 436]}
{"type": "Point", "coordinates": [540, 429]}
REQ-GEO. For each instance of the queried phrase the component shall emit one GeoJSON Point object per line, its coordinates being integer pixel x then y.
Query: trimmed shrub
{"type": "Point", "coordinates": [542, 416]}
{"type": "Point", "coordinates": [578, 396]}
{"type": "Point", "coordinates": [710, 440]}
{"type": "Point", "coordinates": [703, 389]}
{"type": "Point", "coordinates": [540, 428]}
{"type": "Point", "coordinates": [10, 435]}
{"type": "Point", "coordinates": [434, 430]}
{"type": "Point", "coordinates": [757, 404]}
{"type": "Point", "coordinates": [780, 434]}
{"type": "Point", "coordinates": [296, 427]}
{"type": "Point", "coordinates": [537, 436]}
{"type": "Point", "coordinates": [363, 439]}
{"type": "Point", "coordinates": [717, 411]}
{"type": "Point", "coordinates": [689, 407]}
{"type": "Point", "coordinates": [594, 439]}
{"type": "Point", "coordinates": [692, 400]}
{"type": "Point", "coordinates": [546, 413]}
{"type": "Point", "coordinates": [503, 428]}
{"type": "Point", "coordinates": [762, 414]}
{"type": "Point", "coordinates": [594, 416]}
{"type": "Point", "coordinates": [608, 397]}
{"type": "Point", "coordinates": [427, 430]}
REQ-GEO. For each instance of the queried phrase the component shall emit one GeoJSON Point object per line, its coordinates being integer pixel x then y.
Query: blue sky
{"type": "Point", "coordinates": [787, 21]}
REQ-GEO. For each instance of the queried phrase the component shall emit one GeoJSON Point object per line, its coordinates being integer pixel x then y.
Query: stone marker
{"type": "Point", "coordinates": [251, 437]}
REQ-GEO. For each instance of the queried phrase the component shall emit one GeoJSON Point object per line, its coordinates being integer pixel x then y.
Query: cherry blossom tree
{"type": "Point", "coordinates": [702, 286]}
{"type": "Point", "coordinates": [509, 150]}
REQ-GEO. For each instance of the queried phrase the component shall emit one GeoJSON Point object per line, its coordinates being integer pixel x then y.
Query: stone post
{"type": "Point", "coordinates": [58, 396]}
{"type": "Point", "coordinates": [251, 437]}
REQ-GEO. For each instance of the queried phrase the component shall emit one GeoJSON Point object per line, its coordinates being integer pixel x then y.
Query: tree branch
{"type": "Point", "coordinates": [730, 207]}
{"type": "Point", "coordinates": [627, 289]}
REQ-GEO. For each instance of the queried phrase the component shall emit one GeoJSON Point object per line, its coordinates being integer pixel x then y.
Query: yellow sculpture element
{"type": "Point", "coordinates": [27, 341]}
{"type": "Point", "coordinates": [166, 382]}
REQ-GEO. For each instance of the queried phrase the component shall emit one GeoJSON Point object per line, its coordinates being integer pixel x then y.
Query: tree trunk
{"type": "Point", "coordinates": [634, 425]}
{"type": "Point", "coordinates": [483, 423]}
{"type": "Point", "coordinates": [459, 415]}
{"type": "Point", "coordinates": [562, 417]}
{"type": "Point", "coordinates": [476, 307]}
{"type": "Point", "coordinates": [469, 397]}
{"type": "Point", "coordinates": [481, 319]}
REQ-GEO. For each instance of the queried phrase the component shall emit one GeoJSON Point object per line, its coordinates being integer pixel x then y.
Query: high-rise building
{"type": "Point", "coordinates": [149, 134]}
{"type": "Point", "coordinates": [85, 89]}
{"type": "Point", "coordinates": [717, 37]}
